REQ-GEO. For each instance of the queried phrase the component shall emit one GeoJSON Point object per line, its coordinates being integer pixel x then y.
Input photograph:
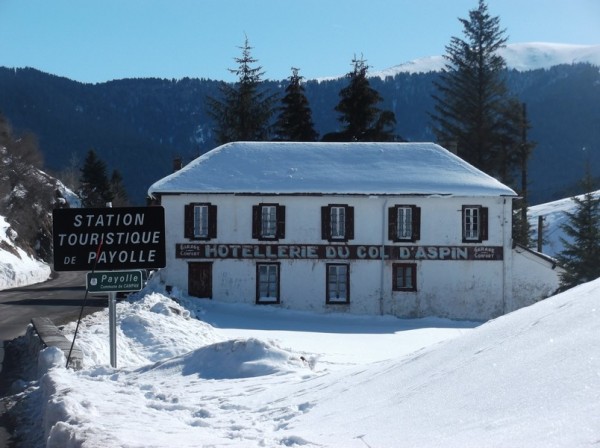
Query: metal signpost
{"type": "Point", "coordinates": [109, 239]}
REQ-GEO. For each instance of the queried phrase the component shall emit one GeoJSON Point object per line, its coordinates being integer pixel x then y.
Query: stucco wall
{"type": "Point", "coordinates": [465, 289]}
{"type": "Point", "coordinates": [534, 278]}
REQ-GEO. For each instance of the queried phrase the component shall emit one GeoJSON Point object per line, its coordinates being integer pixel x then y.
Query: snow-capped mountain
{"type": "Point", "coordinates": [520, 56]}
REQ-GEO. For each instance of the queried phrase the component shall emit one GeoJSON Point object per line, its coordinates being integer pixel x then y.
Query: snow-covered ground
{"type": "Point", "coordinates": [17, 268]}
{"type": "Point", "coordinates": [195, 373]}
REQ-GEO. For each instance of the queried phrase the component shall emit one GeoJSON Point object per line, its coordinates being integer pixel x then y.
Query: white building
{"type": "Point", "coordinates": [407, 229]}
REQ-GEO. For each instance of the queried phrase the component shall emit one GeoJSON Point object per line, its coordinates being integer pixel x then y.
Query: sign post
{"type": "Point", "coordinates": [112, 327]}
{"type": "Point", "coordinates": [109, 239]}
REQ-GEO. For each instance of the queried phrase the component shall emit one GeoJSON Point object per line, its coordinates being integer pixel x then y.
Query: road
{"type": "Point", "coordinates": [60, 299]}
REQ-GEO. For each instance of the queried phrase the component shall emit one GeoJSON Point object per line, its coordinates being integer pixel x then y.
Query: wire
{"type": "Point", "coordinates": [83, 305]}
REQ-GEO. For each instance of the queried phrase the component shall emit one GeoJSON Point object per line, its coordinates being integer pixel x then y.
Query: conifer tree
{"type": "Point", "coordinates": [363, 121]}
{"type": "Point", "coordinates": [94, 190]}
{"type": "Point", "coordinates": [118, 190]}
{"type": "Point", "coordinates": [580, 257]}
{"type": "Point", "coordinates": [519, 123]}
{"type": "Point", "coordinates": [295, 117]}
{"type": "Point", "coordinates": [244, 111]}
{"type": "Point", "coordinates": [472, 103]}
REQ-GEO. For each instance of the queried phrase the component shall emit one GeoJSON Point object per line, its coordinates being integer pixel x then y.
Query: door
{"type": "Point", "coordinates": [200, 280]}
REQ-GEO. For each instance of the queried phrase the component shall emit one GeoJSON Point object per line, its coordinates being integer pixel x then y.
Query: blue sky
{"type": "Point", "coordinates": [95, 41]}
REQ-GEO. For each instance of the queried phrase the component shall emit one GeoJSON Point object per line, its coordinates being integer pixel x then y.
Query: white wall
{"type": "Point", "coordinates": [447, 288]}
{"type": "Point", "coordinates": [534, 278]}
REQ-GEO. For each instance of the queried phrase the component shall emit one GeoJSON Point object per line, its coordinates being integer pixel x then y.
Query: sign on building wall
{"type": "Point", "coordinates": [87, 239]}
{"type": "Point", "coordinates": [337, 252]}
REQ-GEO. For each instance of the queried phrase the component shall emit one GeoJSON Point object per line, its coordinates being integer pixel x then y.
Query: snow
{"type": "Point", "coordinates": [518, 56]}
{"type": "Point", "coordinates": [17, 268]}
{"type": "Point", "coordinates": [330, 168]}
{"type": "Point", "coordinates": [554, 217]}
{"type": "Point", "coordinates": [197, 373]}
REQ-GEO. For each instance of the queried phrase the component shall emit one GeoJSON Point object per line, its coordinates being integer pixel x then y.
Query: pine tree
{"type": "Point", "coordinates": [94, 190]}
{"type": "Point", "coordinates": [245, 109]}
{"type": "Point", "coordinates": [581, 255]}
{"type": "Point", "coordinates": [295, 117]}
{"type": "Point", "coordinates": [362, 120]}
{"type": "Point", "coordinates": [519, 123]}
{"type": "Point", "coordinates": [118, 190]}
{"type": "Point", "coordinates": [472, 104]}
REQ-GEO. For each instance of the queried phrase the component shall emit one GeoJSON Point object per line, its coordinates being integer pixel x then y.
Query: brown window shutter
{"type": "Point", "coordinates": [188, 221]}
{"type": "Point", "coordinates": [392, 224]}
{"type": "Point", "coordinates": [416, 223]}
{"type": "Point", "coordinates": [484, 223]}
{"type": "Point", "coordinates": [325, 223]}
{"type": "Point", "coordinates": [256, 221]}
{"type": "Point", "coordinates": [349, 223]}
{"type": "Point", "coordinates": [280, 222]}
{"type": "Point", "coordinates": [212, 221]}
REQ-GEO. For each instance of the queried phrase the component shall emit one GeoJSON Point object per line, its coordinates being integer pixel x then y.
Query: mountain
{"type": "Point", "coordinates": [139, 126]}
{"type": "Point", "coordinates": [521, 57]}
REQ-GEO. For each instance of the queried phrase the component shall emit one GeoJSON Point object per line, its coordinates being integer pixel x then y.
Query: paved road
{"type": "Point", "coordinates": [60, 299]}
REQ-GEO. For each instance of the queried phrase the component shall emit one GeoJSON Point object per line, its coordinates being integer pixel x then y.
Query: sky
{"type": "Point", "coordinates": [97, 41]}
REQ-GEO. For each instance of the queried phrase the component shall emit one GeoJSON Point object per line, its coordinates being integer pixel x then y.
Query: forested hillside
{"type": "Point", "coordinates": [139, 125]}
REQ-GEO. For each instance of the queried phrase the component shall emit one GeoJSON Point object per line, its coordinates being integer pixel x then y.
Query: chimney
{"type": "Point", "coordinates": [177, 164]}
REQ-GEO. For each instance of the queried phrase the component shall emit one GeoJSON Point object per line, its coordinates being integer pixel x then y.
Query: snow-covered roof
{"type": "Point", "coordinates": [331, 168]}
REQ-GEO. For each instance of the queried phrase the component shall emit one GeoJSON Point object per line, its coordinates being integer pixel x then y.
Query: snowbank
{"type": "Point", "coordinates": [530, 378]}
{"type": "Point", "coordinates": [17, 268]}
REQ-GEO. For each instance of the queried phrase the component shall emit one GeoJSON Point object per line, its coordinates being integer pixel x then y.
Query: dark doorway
{"type": "Point", "coordinates": [200, 280]}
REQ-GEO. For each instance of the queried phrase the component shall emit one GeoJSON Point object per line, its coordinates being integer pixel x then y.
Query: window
{"type": "Point", "coordinates": [474, 223]}
{"type": "Point", "coordinates": [405, 277]}
{"type": "Point", "coordinates": [267, 283]}
{"type": "Point", "coordinates": [268, 221]}
{"type": "Point", "coordinates": [404, 223]}
{"type": "Point", "coordinates": [337, 222]}
{"type": "Point", "coordinates": [338, 281]}
{"type": "Point", "coordinates": [200, 221]}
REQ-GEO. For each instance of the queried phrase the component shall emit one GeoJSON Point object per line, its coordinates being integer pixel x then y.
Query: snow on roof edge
{"type": "Point", "coordinates": [281, 168]}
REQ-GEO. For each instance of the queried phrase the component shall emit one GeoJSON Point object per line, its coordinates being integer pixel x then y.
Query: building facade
{"type": "Point", "coordinates": [404, 229]}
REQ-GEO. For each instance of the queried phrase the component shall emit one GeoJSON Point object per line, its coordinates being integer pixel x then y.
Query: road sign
{"type": "Point", "coordinates": [114, 281]}
{"type": "Point", "coordinates": [88, 239]}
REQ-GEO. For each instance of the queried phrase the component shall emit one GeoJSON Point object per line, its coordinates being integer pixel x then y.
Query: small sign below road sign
{"type": "Point", "coordinates": [114, 281]}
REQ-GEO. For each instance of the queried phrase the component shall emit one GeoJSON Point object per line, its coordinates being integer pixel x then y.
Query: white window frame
{"type": "Point", "coordinates": [338, 222]}
{"type": "Point", "coordinates": [267, 289]}
{"type": "Point", "coordinates": [338, 280]}
{"type": "Point", "coordinates": [472, 223]}
{"type": "Point", "coordinates": [404, 223]}
{"type": "Point", "coordinates": [201, 221]}
{"type": "Point", "coordinates": [268, 221]}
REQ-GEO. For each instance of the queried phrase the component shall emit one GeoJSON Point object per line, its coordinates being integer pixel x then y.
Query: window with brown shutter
{"type": "Point", "coordinates": [200, 221]}
{"type": "Point", "coordinates": [474, 223]}
{"type": "Point", "coordinates": [268, 222]}
{"type": "Point", "coordinates": [337, 222]}
{"type": "Point", "coordinates": [404, 223]}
